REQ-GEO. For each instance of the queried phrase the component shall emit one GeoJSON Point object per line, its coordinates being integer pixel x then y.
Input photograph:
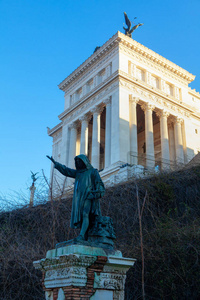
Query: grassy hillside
{"type": "Point", "coordinates": [170, 228]}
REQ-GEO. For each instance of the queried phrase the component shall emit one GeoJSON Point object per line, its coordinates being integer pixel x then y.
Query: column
{"type": "Point", "coordinates": [96, 137]}
{"type": "Point", "coordinates": [133, 130]}
{"type": "Point", "coordinates": [172, 151]}
{"type": "Point", "coordinates": [164, 139]}
{"type": "Point", "coordinates": [84, 134]}
{"type": "Point", "coordinates": [72, 146]}
{"type": "Point", "coordinates": [149, 138]}
{"type": "Point", "coordinates": [178, 141]}
{"type": "Point", "coordinates": [108, 133]}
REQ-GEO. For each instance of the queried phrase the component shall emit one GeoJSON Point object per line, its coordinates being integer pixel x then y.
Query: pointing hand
{"type": "Point", "coordinates": [51, 158]}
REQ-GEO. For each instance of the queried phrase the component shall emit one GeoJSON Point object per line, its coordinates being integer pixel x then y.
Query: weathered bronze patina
{"type": "Point", "coordinates": [129, 30]}
{"type": "Point", "coordinates": [86, 213]}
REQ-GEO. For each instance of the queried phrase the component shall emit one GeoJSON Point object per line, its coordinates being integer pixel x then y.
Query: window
{"type": "Point", "coordinates": [89, 85]}
{"type": "Point", "coordinates": [78, 94]}
{"type": "Point", "coordinates": [140, 74]}
{"type": "Point", "coordinates": [155, 82]}
{"type": "Point", "coordinates": [102, 76]}
{"type": "Point", "coordinates": [169, 89]}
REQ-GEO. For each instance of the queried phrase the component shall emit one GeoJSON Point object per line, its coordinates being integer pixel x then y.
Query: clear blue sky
{"type": "Point", "coordinates": [42, 42]}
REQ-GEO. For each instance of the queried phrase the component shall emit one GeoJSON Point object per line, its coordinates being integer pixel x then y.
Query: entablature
{"type": "Point", "coordinates": [85, 106]}
{"type": "Point", "coordinates": [53, 130]}
{"type": "Point", "coordinates": [104, 87]}
{"type": "Point", "coordinates": [160, 100]}
{"type": "Point", "coordinates": [154, 57]}
{"type": "Point", "coordinates": [89, 63]}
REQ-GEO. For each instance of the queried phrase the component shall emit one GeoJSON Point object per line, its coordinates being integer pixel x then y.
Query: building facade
{"type": "Point", "coordinates": [129, 110]}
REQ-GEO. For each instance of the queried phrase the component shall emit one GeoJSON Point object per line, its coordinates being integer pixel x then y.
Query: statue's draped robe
{"type": "Point", "coordinates": [88, 185]}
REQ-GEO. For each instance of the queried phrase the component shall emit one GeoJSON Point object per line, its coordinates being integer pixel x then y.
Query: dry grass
{"type": "Point", "coordinates": [170, 235]}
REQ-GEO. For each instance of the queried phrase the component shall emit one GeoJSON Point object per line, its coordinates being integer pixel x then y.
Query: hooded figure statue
{"type": "Point", "coordinates": [88, 188]}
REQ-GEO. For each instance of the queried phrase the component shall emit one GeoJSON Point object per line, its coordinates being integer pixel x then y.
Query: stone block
{"type": "Point", "coordinates": [83, 272]}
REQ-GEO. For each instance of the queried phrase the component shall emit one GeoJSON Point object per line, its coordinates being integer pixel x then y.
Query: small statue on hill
{"type": "Point", "coordinates": [129, 30]}
{"type": "Point", "coordinates": [33, 177]}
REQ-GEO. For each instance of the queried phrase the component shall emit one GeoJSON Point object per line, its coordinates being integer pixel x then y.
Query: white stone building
{"type": "Point", "coordinates": [124, 105]}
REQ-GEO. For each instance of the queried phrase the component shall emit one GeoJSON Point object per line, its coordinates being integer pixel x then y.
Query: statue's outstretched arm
{"type": "Point", "coordinates": [63, 169]}
{"type": "Point", "coordinates": [51, 158]}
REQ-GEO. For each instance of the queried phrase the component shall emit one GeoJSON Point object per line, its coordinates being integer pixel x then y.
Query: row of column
{"type": "Point", "coordinates": [175, 134]}
{"type": "Point", "coordinates": [95, 155]}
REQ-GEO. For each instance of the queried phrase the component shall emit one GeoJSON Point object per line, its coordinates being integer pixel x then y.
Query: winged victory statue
{"type": "Point", "coordinates": [129, 30]}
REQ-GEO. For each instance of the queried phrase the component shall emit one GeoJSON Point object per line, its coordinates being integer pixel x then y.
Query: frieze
{"type": "Point", "coordinates": [82, 109]}
{"type": "Point", "coordinates": [65, 261]}
{"type": "Point", "coordinates": [65, 273]}
{"type": "Point", "coordinates": [109, 281]}
{"type": "Point", "coordinates": [156, 99]}
{"type": "Point", "coordinates": [149, 63]}
{"type": "Point", "coordinates": [155, 57]}
{"type": "Point", "coordinates": [92, 70]}
{"type": "Point", "coordinates": [57, 136]}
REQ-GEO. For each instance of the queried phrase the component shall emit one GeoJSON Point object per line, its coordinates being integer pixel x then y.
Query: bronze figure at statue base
{"type": "Point", "coordinates": [101, 234]}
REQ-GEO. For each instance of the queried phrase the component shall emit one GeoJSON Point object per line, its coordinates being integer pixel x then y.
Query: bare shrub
{"type": "Point", "coordinates": [170, 235]}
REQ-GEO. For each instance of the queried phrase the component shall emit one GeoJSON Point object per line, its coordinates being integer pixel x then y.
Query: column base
{"type": "Point", "coordinates": [84, 272]}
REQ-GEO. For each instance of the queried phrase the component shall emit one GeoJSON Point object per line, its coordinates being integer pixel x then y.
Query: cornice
{"type": "Point", "coordinates": [86, 106]}
{"type": "Point", "coordinates": [153, 56]}
{"type": "Point", "coordinates": [92, 93]}
{"type": "Point", "coordinates": [90, 61]}
{"type": "Point", "coordinates": [193, 92]}
{"type": "Point", "coordinates": [54, 129]}
{"type": "Point", "coordinates": [72, 86]}
{"type": "Point", "coordinates": [139, 58]}
{"type": "Point", "coordinates": [123, 40]}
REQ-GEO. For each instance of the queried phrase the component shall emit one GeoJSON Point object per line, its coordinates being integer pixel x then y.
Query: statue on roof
{"type": "Point", "coordinates": [129, 30]}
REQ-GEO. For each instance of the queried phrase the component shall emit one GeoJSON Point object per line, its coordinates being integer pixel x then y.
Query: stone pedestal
{"type": "Point", "coordinates": [84, 272]}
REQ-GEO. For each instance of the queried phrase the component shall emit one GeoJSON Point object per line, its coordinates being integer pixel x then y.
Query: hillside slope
{"type": "Point", "coordinates": [171, 237]}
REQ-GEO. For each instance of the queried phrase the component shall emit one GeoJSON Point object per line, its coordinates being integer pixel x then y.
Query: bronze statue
{"type": "Point", "coordinates": [129, 30]}
{"type": "Point", "coordinates": [88, 188]}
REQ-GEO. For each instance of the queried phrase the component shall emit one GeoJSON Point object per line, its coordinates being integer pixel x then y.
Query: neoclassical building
{"type": "Point", "coordinates": [129, 110]}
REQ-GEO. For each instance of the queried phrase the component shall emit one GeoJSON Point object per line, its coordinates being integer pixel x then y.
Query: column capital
{"type": "Point", "coordinates": [178, 120]}
{"type": "Point", "coordinates": [86, 117]}
{"type": "Point", "coordinates": [73, 125]}
{"type": "Point", "coordinates": [147, 106]}
{"type": "Point", "coordinates": [170, 124]}
{"type": "Point", "coordinates": [133, 99]}
{"type": "Point", "coordinates": [162, 113]}
{"type": "Point", "coordinates": [107, 101]}
{"type": "Point", "coordinates": [97, 109]}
